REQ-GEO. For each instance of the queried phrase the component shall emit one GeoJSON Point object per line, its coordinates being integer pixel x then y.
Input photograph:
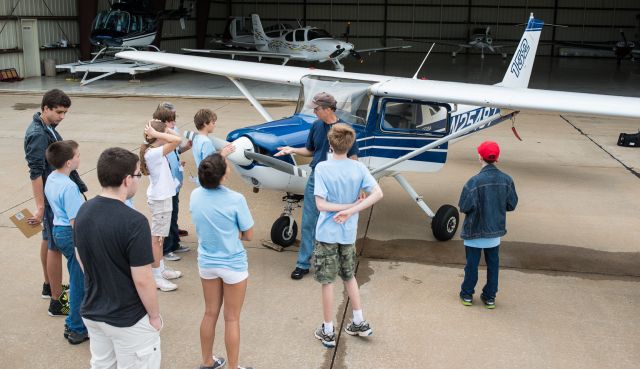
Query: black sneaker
{"type": "Point", "coordinates": [218, 362]}
{"type": "Point", "coordinates": [46, 291]}
{"type": "Point", "coordinates": [489, 303]}
{"type": "Point", "coordinates": [466, 300]}
{"type": "Point", "coordinates": [328, 340]}
{"type": "Point", "coordinates": [298, 273]}
{"type": "Point", "coordinates": [77, 338]}
{"type": "Point", "coordinates": [56, 308]}
{"type": "Point", "coordinates": [363, 329]}
{"type": "Point", "coordinates": [66, 331]}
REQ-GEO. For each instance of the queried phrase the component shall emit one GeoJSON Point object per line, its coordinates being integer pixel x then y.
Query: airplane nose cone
{"type": "Point", "coordinates": [241, 144]}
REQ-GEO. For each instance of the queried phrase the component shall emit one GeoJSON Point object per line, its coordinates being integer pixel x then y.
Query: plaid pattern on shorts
{"type": "Point", "coordinates": [334, 259]}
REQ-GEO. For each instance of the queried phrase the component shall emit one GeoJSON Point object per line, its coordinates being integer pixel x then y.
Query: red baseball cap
{"type": "Point", "coordinates": [489, 150]}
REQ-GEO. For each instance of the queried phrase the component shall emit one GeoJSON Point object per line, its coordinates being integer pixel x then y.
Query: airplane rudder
{"type": "Point", "coordinates": [519, 71]}
{"type": "Point", "coordinates": [258, 31]}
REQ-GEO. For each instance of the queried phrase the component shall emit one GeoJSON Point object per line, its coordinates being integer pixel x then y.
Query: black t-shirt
{"type": "Point", "coordinates": [111, 238]}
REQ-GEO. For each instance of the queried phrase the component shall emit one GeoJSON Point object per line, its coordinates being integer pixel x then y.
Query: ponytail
{"type": "Point", "coordinates": [143, 163]}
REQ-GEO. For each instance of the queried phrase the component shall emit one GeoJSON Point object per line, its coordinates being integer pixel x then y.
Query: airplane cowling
{"type": "Point", "coordinates": [241, 144]}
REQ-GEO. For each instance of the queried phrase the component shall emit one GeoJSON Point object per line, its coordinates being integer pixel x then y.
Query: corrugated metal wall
{"type": "Point", "coordinates": [378, 22]}
{"type": "Point", "coordinates": [49, 31]}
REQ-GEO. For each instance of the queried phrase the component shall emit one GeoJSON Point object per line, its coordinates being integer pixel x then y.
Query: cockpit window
{"type": "Point", "coordinates": [300, 35]}
{"type": "Point", "coordinates": [289, 37]}
{"type": "Point", "coordinates": [117, 21]}
{"type": "Point", "coordinates": [415, 117]}
{"type": "Point", "coordinates": [352, 97]}
{"type": "Point", "coordinates": [314, 33]}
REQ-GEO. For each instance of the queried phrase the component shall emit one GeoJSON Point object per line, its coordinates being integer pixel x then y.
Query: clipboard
{"type": "Point", "coordinates": [20, 220]}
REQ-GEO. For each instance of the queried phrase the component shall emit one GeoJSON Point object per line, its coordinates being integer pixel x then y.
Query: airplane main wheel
{"type": "Point", "coordinates": [445, 223]}
{"type": "Point", "coordinates": [280, 233]}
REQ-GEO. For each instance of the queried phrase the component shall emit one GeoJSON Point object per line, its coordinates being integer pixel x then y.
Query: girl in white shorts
{"type": "Point", "coordinates": [223, 221]}
{"type": "Point", "coordinates": [159, 142]}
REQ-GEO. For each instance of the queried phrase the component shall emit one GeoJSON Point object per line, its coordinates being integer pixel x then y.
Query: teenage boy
{"type": "Point", "coordinates": [485, 199]}
{"type": "Point", "coordinates": [338, 183]}
{"type": "Point", "coordinates": [120, 308]}
{"type": "Point", "coordinates": [65, 200]}
{"type": "Point", "coordinates": [205, 121]}
{"type": "Point", "coordinates": [39, 135]}
{"type": "Point", "coordinates": [324, 107]}
{"type": "Point", "coordinates": [166, 113]}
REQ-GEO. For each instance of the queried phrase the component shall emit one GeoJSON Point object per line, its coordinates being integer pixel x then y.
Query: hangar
{"type": "Point", "coordinates": [569, 284]}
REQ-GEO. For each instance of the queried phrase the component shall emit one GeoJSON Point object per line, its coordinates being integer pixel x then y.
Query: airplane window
{"type": "Point", "coordinates": [299, 35]}
{"type": "Point", "coordinates": [314, 33]}
{"type": "Point", "coordinates": [289, 37]}
{"type": "Point", "coordinates": [408, 116]}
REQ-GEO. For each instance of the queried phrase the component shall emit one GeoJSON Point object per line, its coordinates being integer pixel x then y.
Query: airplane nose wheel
{"type": "Point", "coordinates": [282, 234]}
{"type": "Point", "coordinates": [445, 223]}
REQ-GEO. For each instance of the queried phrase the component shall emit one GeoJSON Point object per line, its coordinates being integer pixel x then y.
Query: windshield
{"type": "Point", "coordinates": [314, 33]}
{"type": "Point", "coordinates": [352, 97]}
{"type": "Point", "coordinates": [117, 21]}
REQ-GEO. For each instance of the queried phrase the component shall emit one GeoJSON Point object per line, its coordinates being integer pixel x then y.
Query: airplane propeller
{"type": "Point", "coordinates": [338, 52]}
{"type": "Point", "coordinates": [276, 164]}
{"type": "Point", "coordinates": [356, 55]}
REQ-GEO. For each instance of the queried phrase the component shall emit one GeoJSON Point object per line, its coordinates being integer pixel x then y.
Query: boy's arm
{"type": "Point", "coordinates": [38, 195]}
{"type": "Point", "coordinates": [374, 196]}
{"type": "Point", "coordinates": [324, 205]}
{"type": "Point", "coordinates": [146, 288]}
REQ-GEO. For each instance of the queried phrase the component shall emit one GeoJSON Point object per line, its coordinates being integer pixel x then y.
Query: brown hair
{"type": "Point", "coordinates": [204, 116]}
{"type": "Point", "coordinates": [164, 115]}
{"type": "Point", "coordinates": [54, 98]}
{"type": "Point", "coordinates": [158, 126]}
{"type": "Point", "coordinates": [341, 137]}
{"type": "Point", "coordinates": [211, 170]}
{"type": "Point", "coordinates": [114, 165]}
{"type": "Point", "coordinates": [58, 153]}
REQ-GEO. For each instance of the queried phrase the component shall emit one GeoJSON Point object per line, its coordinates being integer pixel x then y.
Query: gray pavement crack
{"type": "Point", "coordinates": [631, 170]}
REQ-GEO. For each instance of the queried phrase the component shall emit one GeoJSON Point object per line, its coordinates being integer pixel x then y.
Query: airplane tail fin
{"type": "Point", "coordinates": [521, 65]}
{"type": "Point", "coordinates": [229, 34]}
{"type": "Point", "coordinates": [259, 36]}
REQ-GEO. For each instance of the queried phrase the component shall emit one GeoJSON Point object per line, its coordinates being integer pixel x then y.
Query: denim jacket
{"type": "Point", "coordinates": [485, 199]}
{"type": "Point", "coordinates": [36, 140]}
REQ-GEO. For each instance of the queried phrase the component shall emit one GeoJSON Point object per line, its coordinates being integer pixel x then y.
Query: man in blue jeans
{"type": "Point", "coordinates": [485, 199]}
{"type": "Point", "coordinates": [324, 107]}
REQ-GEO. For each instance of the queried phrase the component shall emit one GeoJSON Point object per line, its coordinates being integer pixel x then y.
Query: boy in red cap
{"type": "Point", "coordinates": [485, 199]}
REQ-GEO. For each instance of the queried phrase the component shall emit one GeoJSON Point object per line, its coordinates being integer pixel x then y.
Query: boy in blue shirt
{"type": "Point", "coordinates": [338, 183]}
{"type": "Point", "coordinates": [65, 199]}
{"type": "Point", "coordinates": [205, 121]}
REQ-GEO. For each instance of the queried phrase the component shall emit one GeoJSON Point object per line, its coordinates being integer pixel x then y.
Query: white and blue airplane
{"type": "Point", "coordinates": [402, 124]}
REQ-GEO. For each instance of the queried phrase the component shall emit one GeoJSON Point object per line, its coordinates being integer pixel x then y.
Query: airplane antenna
{"type": "Point", "coordinates": [415, 76]}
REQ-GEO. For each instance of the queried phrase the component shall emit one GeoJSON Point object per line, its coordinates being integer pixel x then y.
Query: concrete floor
{"type": "Point", "coordinates": [569, 288]}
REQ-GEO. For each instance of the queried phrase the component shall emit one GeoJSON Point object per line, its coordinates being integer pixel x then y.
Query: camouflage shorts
{"type": "Point", "coordinates": [333, 259]}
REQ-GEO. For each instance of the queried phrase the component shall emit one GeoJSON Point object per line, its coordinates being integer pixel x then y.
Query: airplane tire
{"type": "Point", "coordinates": [445, 223]}
{"type": "Point", "coordinates": [279, 234]}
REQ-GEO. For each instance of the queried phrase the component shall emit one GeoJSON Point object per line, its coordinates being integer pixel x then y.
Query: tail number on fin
{"type": "Point", "coordinates": [521, 57]}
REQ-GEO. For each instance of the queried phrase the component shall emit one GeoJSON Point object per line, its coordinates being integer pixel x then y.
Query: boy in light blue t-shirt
{"type": "Point", "coordinates": [65, 199]}
{"type": "Point", "coordinates": [205, 121]}
{"type": "Point", "coordinates": [338, 183]}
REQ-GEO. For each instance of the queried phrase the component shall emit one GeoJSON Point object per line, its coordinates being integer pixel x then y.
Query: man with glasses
{"type": "Point", "coordinates": [120, 308]}
{"type": "Point", "coordinates": [324, 107]}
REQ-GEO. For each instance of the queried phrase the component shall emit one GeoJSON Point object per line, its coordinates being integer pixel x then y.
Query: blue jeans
{"type": "Point", "coordinates": [310, 215]}
{"type": "Point", "coordinates": [492, 258]}
{"type": "Point", "coordinates": [63, 236]}
{"type": "Point", "coordinates": [172, 241]}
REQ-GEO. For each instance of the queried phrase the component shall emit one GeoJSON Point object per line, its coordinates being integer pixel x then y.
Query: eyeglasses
{"type": "Point", "coordinates": [139, 175]}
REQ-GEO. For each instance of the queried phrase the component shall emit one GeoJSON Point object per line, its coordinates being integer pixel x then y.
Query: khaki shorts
{"type": "Point", "coordinates": [333, 259]}
{"type": "Point", "coordinates": [160, 216]}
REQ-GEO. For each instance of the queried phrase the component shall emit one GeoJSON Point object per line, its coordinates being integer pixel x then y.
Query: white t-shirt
{"type": "Point", "coordinates": [162, 185]}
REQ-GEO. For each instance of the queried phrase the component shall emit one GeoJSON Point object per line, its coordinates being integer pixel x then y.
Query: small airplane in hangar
{"type": "Point", "coordinates": [402, 124]}
{"type": "Point", "coordinates": [621, 49]}
{"type": "Point", "coordinates": [132, 23]}
{"type": "Point", "coordinates": [309, 44]}
{"type": "Point", "coordinates": [480, 39]}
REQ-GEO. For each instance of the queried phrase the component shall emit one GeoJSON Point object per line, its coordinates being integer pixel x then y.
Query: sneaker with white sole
{"type": "Point", "coordinates": [164, 285]}
{"type": "Point", "coordinates": [182, 248]}
{"type": "Point", "coordinates": [171, 257]}
{"type": "Point", "coordinates": [169, 273]}
{"type": "Point", "coordinates": [328, 340]}
{"type": "Point", "coordinates": [363, 329]}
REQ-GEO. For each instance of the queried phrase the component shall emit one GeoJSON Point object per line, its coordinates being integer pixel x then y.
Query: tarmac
{"type": "Point", "coordinates": [569, 283]}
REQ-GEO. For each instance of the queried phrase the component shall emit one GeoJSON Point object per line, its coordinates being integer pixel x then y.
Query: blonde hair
{"type": "Point", "coordinates": [341, 137]}
{"type": "Point", "coordinates": [148, 141]}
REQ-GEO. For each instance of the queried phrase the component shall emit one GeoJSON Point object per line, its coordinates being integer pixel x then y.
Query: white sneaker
{"type": "Point", "coordinates": [164, 285]}
{"type": "Point", "coordinates": [171, 257]}
{"type": "Point", "coordinates": [169, 273]}
{"type": "Point", "coordinates": [182, 248]}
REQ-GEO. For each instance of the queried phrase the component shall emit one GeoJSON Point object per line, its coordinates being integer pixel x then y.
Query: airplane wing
{"type": "Point", "coordinates": [258, 54]}
{"type": "Point", "coordinates": [429, 90]}
{"type": "Point", "coordinates": [370, 51]}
